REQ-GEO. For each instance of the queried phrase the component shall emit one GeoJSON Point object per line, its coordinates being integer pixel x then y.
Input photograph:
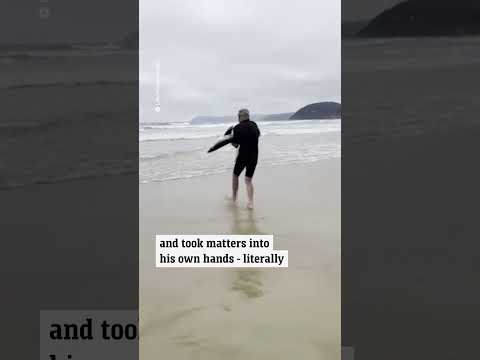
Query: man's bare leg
{"type": "Point", "coordinates": [234, 187]}
{"type": "Point", "coordinates": [249, 184]}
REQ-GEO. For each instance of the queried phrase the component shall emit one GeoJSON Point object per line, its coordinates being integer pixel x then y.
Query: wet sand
{"type": "Point", "coordinates": [245, 313]}
{"type": "Point", "coordinates": [78, 250]}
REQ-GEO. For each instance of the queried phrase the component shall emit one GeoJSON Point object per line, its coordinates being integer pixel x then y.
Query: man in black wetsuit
{"type": "Point", "coordinates": [245, 134]}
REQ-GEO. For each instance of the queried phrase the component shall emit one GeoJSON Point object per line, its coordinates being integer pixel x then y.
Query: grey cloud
{"type": "Point", "coordinates": [216, 56]}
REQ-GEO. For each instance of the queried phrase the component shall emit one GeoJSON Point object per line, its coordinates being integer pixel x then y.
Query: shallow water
{"type": "Point", "coordinates": [179, 150]}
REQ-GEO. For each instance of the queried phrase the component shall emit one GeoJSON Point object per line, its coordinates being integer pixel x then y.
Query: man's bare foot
{"type": "Point", "coordinates": [250, 206]}
{"type": "Point", "coordinates": [230, 198]}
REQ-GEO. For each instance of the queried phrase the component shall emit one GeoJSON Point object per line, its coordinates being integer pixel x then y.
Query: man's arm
{"type": "Point", "coordinates": [236, 135]}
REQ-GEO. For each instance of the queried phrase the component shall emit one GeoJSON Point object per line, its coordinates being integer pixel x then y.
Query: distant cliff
{"type": "Point", "coordinates": [321, 110]}
{"type": "Point", "coordinates": [426, 18]}
{"type": "Point", "coordinates": [350, 29]}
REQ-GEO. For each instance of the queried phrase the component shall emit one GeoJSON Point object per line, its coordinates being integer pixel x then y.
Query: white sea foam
{"type": "Point", "coordinates": [178, 150]}
{"type": "Point", "coordinates": [186, 131]}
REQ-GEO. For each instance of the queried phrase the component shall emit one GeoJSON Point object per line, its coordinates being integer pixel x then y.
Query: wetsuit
{"type": "Point", "coordinates": [246, 134]}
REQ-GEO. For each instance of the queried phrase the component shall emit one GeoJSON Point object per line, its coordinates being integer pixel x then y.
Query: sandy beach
{"type": "Point", "coordinates": [245, 313]}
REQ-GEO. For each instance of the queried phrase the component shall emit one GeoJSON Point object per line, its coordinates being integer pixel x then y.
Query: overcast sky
{"type": "Point", "coordinates": [108, 20]}
{"type": "Point", "coordinates": [216, 56]}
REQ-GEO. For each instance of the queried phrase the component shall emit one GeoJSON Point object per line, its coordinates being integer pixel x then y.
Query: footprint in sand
{"type": "Point", "coordinates": [248, 283]}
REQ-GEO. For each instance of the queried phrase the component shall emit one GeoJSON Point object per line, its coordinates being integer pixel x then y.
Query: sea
{"type": "Point", "coordinates": [67, 103]}
{"type": "Point", "coordinates": [173, 151]}
{"type": "Point", "coordinates": [76, 109]}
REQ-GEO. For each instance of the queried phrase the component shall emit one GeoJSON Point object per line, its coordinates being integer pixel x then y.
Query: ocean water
{"type": "Point", "coordinates": [28, 68]}
{"type": "Point", "coordinates": [413, 80]}
{"type": "Point", "coordinates": [171, 151]}
{"type": "Point", "coordinates": [66, 104]}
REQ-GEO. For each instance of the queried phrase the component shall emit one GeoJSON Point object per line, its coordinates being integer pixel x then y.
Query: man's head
{"type": "Point", "coordinates": [243, 114]}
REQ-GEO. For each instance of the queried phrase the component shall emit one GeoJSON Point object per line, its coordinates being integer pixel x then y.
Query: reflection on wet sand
{"type": "Point", "coordinates": [247, 282]}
